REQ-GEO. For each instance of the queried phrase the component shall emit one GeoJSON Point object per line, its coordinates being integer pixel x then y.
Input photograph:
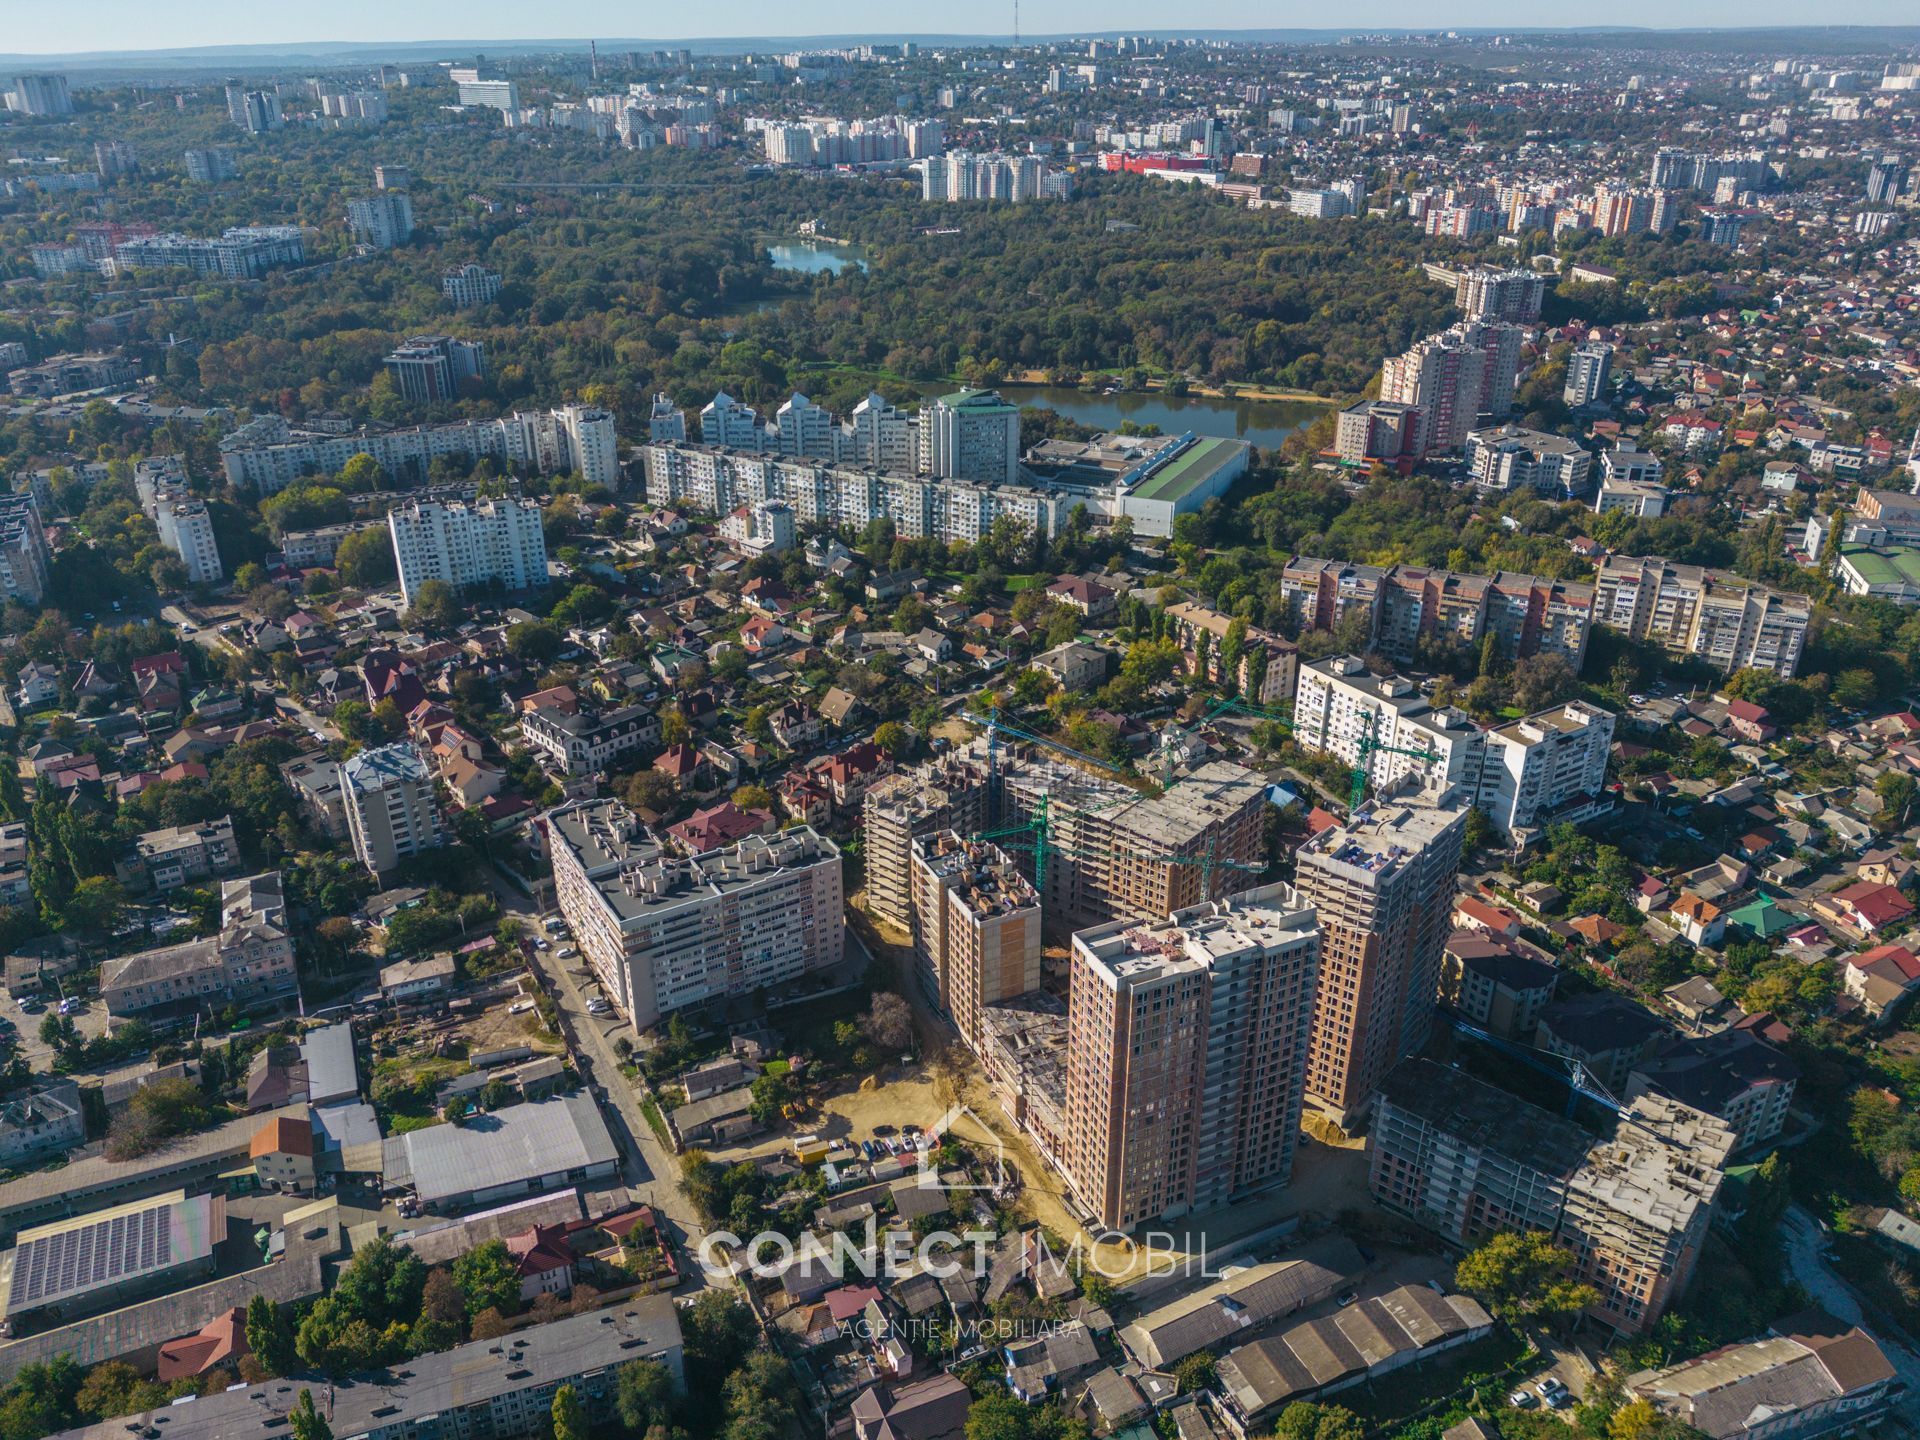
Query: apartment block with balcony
{"type": "Point", "coordinates": [1382, 887]}
{"type": "Point", "coordinates": [976, 929]}
{"type": "Point", "coordinates": [665, 932]}
{"type": "Point", "coordinates": [1186, 1056]}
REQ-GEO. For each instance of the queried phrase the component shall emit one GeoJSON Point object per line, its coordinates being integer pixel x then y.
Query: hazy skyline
{"type": "Point", "coordinates": [116, 25]}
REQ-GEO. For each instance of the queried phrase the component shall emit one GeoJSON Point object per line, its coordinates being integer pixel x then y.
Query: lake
{"type": "Point", "coordinates": [1264, 423]}
{"type": "Point", "coordinates": [810, 258]}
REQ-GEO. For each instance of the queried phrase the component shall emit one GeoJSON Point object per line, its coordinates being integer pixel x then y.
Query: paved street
{"type": "Point", "coordinates": [648, 1169]}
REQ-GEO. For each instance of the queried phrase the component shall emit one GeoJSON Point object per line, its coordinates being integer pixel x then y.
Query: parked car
{"type": "Point", "coordinates": [1522, 1400]}
{"type": "Point", "coordinates": [520, 1007]}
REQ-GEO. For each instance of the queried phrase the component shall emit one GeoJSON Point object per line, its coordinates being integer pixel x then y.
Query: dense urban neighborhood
{"type": "Point", "coordinates": [1160, 736]}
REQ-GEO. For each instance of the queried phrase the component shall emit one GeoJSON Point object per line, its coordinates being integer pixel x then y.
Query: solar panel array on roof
{"type": "Point", "coordinates": [74, 1257]}
{"type": "Point", "coordinates": [81, 1259]}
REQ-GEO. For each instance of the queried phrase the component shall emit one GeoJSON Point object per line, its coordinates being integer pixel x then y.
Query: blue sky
{"type": "Point", "coordinates": [86, 25]}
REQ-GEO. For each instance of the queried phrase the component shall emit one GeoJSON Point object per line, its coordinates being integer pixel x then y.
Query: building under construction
{"type": "Point", "coordinates": [976, 928]}
{"type": "Point", "coordinates": [1096, 850]}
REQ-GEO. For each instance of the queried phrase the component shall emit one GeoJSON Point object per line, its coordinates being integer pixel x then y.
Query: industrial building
{"type": "Point", "coordinates": [93, 1262]}
{"type": "Point", "coordinates": [502, 1154]}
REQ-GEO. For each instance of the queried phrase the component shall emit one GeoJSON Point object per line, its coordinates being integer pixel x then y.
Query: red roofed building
{"type": "Point", "coordinates": [681, 764]}
{"type": "Point", "coordinates": [1872, 908]}
{"type": "Point", "coordinates": [1474, 914]}
{"type": "Point", "coordinates": [543, 1260]}
{"type": "Point", "coordinates": [221, 1341]}
{"type": "Point", "coordinates": [719, 826]}
{"type": "Point", "coordinates": [848, 775]}
{"type": "Point", "coordinates": [1751, 721]}
{"type": "Point", "coordinates": [282, 1152]}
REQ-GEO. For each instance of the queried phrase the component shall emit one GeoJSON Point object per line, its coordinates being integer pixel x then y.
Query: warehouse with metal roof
{"type": "Point", "coordinates": [518, 1150]}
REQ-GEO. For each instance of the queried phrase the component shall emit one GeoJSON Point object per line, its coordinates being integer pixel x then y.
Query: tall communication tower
{"type": "Point", "coordinates": [1016, 24]}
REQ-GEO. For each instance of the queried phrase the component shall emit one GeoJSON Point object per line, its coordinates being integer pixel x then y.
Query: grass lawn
{"type": "Point", "coordinates": [1016, 583]}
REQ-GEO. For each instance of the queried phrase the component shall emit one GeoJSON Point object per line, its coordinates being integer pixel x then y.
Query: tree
{"type": "Point", "coordinates": [894, 738]}
{"type": "Point", "coordinates": [434, 603]}
{"type": "Point", "coordinates": [1303, 1420]}
{"type": "Point", "coordinates": [1524, 1275]}
{"type": "Point", "coordinates": [365, 559]}
{"type": "Point", "coordinates": [718, 1329]}
{"type": "Point", "coordinates": [59, 1034]}
{"type": "Point", "coordinates": [643, 1394]}
{"type": "Point", "coordinates": [362, 473]}
{"type": "Point", "coordinates": [533, 642]}
{"type": "Point", "coordinates": [269, 1336]}
{"type": "Point", "coordinates": [888, 1023]}
{"type": "Point", "coordinates": [1895, 789]}
{"type": "Point", "coordinates": [306, 1420]}
{"type": "Point", "coordinates": [569, 1415]}
{"type": "Point", "coordinates": [1195, 1372]}
{"type": "Point", "coordinates": [443, 1314]}
{"type": "Point", "coordinates": [1543, 680]}
{"type": "Point", "coordinates": [95, 905]}
{"type": "Point", "coordinates": [487, 1278]}
{"type": "Point", "coordinates": [754, 797]}
{"type": "Point", "coordinates": [999, 1416]}
{"type": "Point", "coordinates": [490, 1324]}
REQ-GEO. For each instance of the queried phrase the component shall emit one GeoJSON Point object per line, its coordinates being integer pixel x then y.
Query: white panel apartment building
{"type": "Point", "coordinates": [720, 482]}
{"type": "Point", "coordinates": [1727, 621]}
{"type": "Point", "coordinates": [1538, 770]}
{"type": "Point", "coordinates": [180, 516]}
{"type": "Point", "coordinates": [1336, 700]}
{"type": "Point", "coordinates": [266, 455]}
{"type": "Point", "coordinates": [1546, 768]}
{"type": "Point", "coordinates": [665, 932]}
{"type": "Point", "coordinates": [488, 542]}
{"type": "Point", "coordinates": [389, 800]}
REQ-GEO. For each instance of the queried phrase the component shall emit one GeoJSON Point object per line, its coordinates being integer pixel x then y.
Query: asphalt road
{"type": "Point", "coordinates": [648, 1169]}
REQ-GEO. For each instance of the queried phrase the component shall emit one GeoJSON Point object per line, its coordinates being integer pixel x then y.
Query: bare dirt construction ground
{"type": "Point", "coordinates": [958, 731]}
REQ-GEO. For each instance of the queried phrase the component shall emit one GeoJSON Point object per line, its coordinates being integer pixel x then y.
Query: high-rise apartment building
{"type": "Point", "coordinates": [1382, 887]}
{"type": "Point", "coordinates": [1512, 295]}
{"type": "Point", "coordinates": [114, 158]}
{"type": "Point", "coordinates": [181, 517]}
{"type": "Point", "coordinates": [1453, 379]}
{"type": "Point", "coordinates": [1339, 706]}
{"type": "Point", "coordinates": [1588, 369]}
{"type": "Point", "coordinates": [970, 435]}
{"type": "Point", "coordinates": [1467, 1159]}
{"type": "Point", "coordinates": [24, 556]}
{"type": "Point", "coordinates": [1886, 180]}
{"type": "Point", "coordinates": [392, 177]}
{"type": "Point", "coordinates": [40, 95]}
{"type": "Point", "coordinates": [1382, 430]}
{"type": "Point", "coordinates": [726, 421]}
{"type": "Point", "coordinates": [1504, 458]}
{"type": "Point", "coordinates": [663, 932]}
{"type": "Point", "coordinates": [666, 422]}
{"type": "Point", "coordinates": [1186, 1055]}
{"type": "Point", "coordinates": [245, 251]}
{"type": "Point", "coordinates": [471, 286]}
{"type": "Point", "coordinates": [488, 542]}
{"type": "Point", "coordinates": [877, 434]}
{"type": "Point", "coordinates": [391, 814]}
{"type": "Point", "coordinates": [489, 94]}
{"type": "Point", "coordinates": [254, 111]}
{"type": "Point", "coordinates": [951, 792]}
{"type": "Point", "coordinates": [1728, 621]}
{"type": "Point", "coordinates": [383, 220]}
{"type": "Point", "coordinates": [211, 165]}
{"type": "Point", "coordinates": [1546, 768]}
{"type": "Point", "coordinates": [430, 368]}
{"type": "Point", "coordinates": [976, 929]}
{"type": "Point", "coordinates": [801, 427]}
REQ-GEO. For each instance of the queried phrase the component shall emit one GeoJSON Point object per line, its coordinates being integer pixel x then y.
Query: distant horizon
{"type": "Point", "coordinates": [219, 27]}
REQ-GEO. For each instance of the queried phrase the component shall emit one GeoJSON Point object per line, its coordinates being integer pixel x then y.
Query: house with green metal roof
{"type": "Point", "coordinates": [1762, 918]}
